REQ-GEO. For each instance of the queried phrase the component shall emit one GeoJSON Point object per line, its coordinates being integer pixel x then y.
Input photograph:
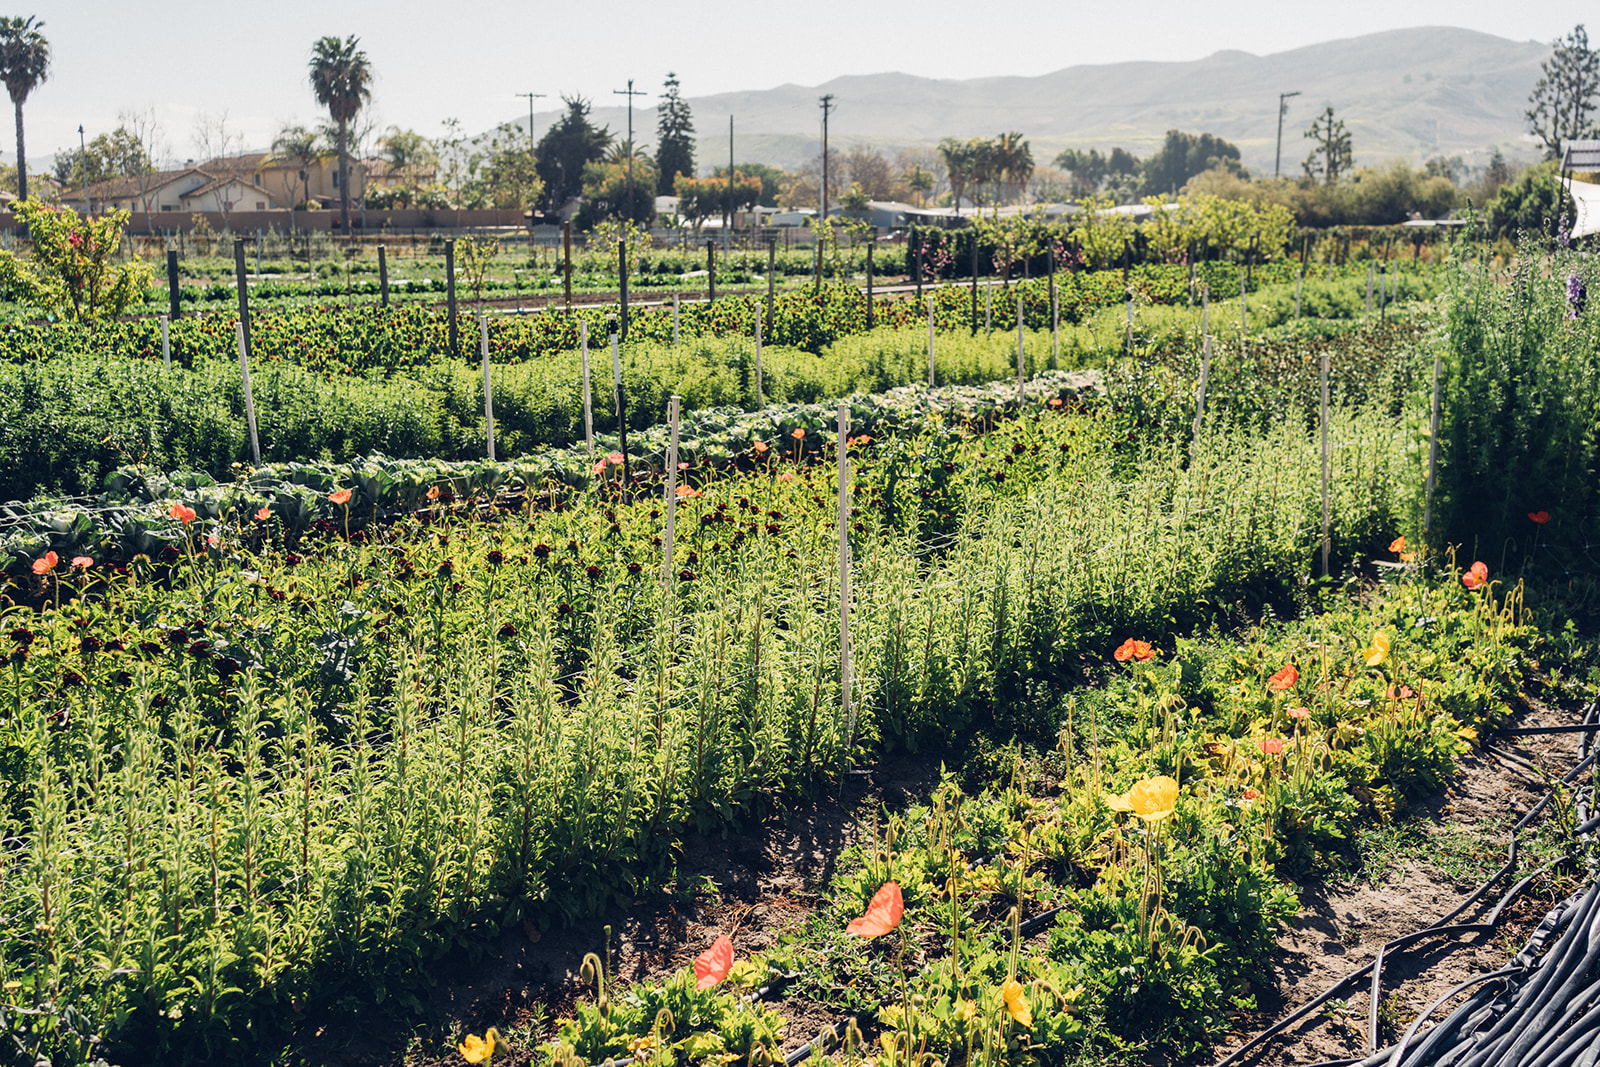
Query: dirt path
{"type": "Point", "coordinates": [1451, 845]}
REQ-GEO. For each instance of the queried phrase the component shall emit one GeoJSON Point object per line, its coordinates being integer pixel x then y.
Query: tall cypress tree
{"type": "Point", "coordinates": [565, 149]}
{"type": "Point", "coordinates": [674, 138]}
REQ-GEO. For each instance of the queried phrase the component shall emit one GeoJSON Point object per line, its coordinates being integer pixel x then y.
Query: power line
{"type": "Point", "coordinates": [531, 97]}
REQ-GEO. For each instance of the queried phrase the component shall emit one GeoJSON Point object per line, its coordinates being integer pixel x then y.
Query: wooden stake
{"type": "Point", "coordinates": [383, 276]}
{"type": "Point", "coordinates": [930, 340]}
{"type": "Point", "coordinates": [1205, 373]}
{"type": "Point", "coordinates": [1433, 448]}
{"type": "Point", "coordinates": [249, 397]}
{"type": "Point", "coordinates": [869, 286]}
{"type": "Point", "coordinates": [622, 404]}
{"type": "Point", "coordinates": [844, 579]}
{"type": "Point", "coordinates": [166, 341]}
{"type": "Point", "coordinates": [566, 251]}
{"type": "Point", "coordinates": [1327, 512]}
{"type": "Point", "coordinates": [674, 320]}
{"type": "Point", "coordinates": [1020, 371]}
{"type": "Point", "coordinates": [488, 385]}
{"type": "Point", "coordinates": [588, 408]}
{"type": "Point", "coordinates": [671, 495]}
{"type": "Point", "coordinates": [760, 401]}
{"type": "Point", "coordinates": [450, 293]}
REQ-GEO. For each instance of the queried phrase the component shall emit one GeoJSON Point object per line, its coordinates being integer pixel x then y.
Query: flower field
{"type": "Point", "coordinates": [276, 744]}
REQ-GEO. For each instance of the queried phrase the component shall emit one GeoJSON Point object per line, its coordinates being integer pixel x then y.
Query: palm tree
{"type": "Point", "coordinates": [341, 79]}
{"type": "Point", "coordinates": [300, 147]}
{"type": "Point", "coordinates": [1013, 161]}
{"type": "Point", "coordinates": [24, 63]}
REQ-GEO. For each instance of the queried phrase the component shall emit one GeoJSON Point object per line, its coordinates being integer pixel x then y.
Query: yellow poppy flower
{"type": "Point", "coordinates": [1011, 992]}
{"type": "Point", "coordinates": [477, 1049]}
{"type": "Point", "coordinates": [966, 1010]}
{"type": "Point", "coordinates": [1153, 799]}
{"type": "Point", "coordinates": [1379, 650]}
{"type": "Point", "coordinates": [1118, 802]}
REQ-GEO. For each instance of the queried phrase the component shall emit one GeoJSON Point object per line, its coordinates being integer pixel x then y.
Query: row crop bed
{"type": "Point", "coordinates": [249, 779]}
{"type": "Point", "coordinates": [331, 386]}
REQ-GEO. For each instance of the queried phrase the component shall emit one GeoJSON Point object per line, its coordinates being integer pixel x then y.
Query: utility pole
{"type": "Point", "coordinates": [531, 97]}
{"type": "Point", "coordinates": [1283, 109]}
{"type": "Point", "coordinates": [630, 94]}
{"type": "Point", "coordinates": [827, 106]}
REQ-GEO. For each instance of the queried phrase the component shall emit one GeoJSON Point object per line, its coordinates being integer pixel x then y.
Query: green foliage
{"type": "Point", "coordinates": [674, 138]}
{"type": "Point", "coordinates": [70, 274]}
{"type": "Point", "coordinates": [565, 150]}
{"type": "Point", "coordinates": [1560, 106]}
{"type": "Point", "coordinates": [1532, 204]}
{"type": "Point", "coordinates": [1522, 385]}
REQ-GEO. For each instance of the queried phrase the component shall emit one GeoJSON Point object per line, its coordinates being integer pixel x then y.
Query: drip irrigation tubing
{"type": "Point", "coordinates": [1527, 1033]}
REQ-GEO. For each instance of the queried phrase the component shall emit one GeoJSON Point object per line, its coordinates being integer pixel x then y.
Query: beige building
{"type": "Point", "coordinates": [256, 182]}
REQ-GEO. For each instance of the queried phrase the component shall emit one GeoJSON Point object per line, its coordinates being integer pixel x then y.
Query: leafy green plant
{"type": "Point", "coordinates": [71, 274]}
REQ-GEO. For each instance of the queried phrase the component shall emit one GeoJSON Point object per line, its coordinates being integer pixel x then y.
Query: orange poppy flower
{"type": "Point", "coordinates": [1283, 679]}
{"type": "Point", "coordinates": [433, 493]}
{"type": "Point", "coordinates": [1477, 577]}
{"type": "Point", "coordinates": [883, 914]}
{"type": "Point", "coordinates": [183, 514]}
{"type": "Point", "coordinates": [599, 466]}
{"type": "Point", "coordinates": [264, 514]}
{"type": "Point", "coordinates": [686, 492]}
{"type": "Point", "coordinates": [1299, 713]}
{"type": "Point", "coordinates": [1055, 402]}
{"type": "Point", "coordinates": [797, 433]}
{"type": "Point", "coordinates": [82, 563]}
{"type": "Point", "coordinates": [713, 965]}
{"type": "Point", "coordinates": [1251, 794]}
{"type": "Point", "coordinates": [1271, 746]}
{"type": "Point", "coordinates": [759, 446]}
{"type": "Point", "coordinates": [1133, 649]}
{"type": "Point", "coordinates": [341, 497]}
{"type": "Point", "coordinates": [46, 563]}
{"type": "Point", "coordinates": [1540, 517]}
{"type": "Point", "coordinates": [615, 458]}
{"type": "Point", "coordinates": [1397, 545]}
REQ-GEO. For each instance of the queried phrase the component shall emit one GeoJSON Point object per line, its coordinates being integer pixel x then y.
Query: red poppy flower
{"type": "Point", "coordinates": [1133, 649]}
{"type": "Point", "coordinates": [82, 563]}
{"type": "Point", "coordinates": [341, 497]}
{"type": "Point", "coordinates": [264, 514]}
{"type": "Point", "coordinates": [46, 563]}
{"type": "Point", "coordinates": [1251, 794]}
{"type": "Point", "coordinates": [1477, 577]}
{"type": "Point", "coordinates": [183, 514]}
{"type": "Point", "coordinates": [1540, 517]}
{"type": "Point", "coordinates": [713, 965]}
{"type": "Point", "coordinates": [615, 458]}
{"type": "Point", "coordinates": [883, 914]}
{"type": "Point", "coordinates": [1284, 679]}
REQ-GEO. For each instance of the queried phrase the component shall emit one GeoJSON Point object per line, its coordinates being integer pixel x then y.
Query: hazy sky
{"type": "Point", "coordinates": [469, 58]}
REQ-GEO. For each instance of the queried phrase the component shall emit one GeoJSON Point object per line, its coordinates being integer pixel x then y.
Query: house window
{"type": "Point", "coordinates": [258, 181]}
{"type": "Point", "coordinates": [261, 205]}
{"type": "Point", "coordinates": [336, 179]}
{"type": "Point", "coordinates": [169, 207]}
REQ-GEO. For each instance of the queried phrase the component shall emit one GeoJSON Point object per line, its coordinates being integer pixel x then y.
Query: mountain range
{"type": "Point", "coordinates": [1411, 94]}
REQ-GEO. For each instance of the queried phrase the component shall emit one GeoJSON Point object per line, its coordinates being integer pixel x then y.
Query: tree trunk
{"type": "Point", "coordinates": [22, 157]}
{"type": "Point", "coordinates": [344, 178]}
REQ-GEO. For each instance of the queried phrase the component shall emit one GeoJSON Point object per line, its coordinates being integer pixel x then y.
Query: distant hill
{"type": "Point", "coordinates": [1412, 94]}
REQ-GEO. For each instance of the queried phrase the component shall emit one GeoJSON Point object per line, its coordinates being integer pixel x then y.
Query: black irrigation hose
{"type": "Point", "coordinates": [1442, 926]}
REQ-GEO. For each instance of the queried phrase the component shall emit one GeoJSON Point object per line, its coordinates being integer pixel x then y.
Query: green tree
{"type": "Point", "coordinates": [408, 156]}
{"type": "Point", "coordinates": [968, 163]}
{"type": "Point", "coordinates": [118, 154]}
{"type": "Point", "coordinates": [608, 192]}
{"type": "Point", "coordinates": [24, 63]}
{"type": "Point", "coordinates": [1562, 100]}
{"type": "Point", "coordinates": [300, 148]}
{"type": "Point", "coordinates": [504, 174]}
{"type": "Point", "coordinates": [566, 149]}
{"type": "Point", "coordinates": [1529, 204]}
{"type": "Point", "coordinates": [1183, 156]}
{"type": "Point", "coordinates": [920, 182]}
{"type": "Point", "coordinates": [341, 80]}
{"type": "Point", "coordinates": [71, 273]}
{"type": "Point", "coordinates": [1333, 148]}
{"type": "Point", "coordinates": [674, 138]}
{"type": "Point", "coordinates": [1013, 162]}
